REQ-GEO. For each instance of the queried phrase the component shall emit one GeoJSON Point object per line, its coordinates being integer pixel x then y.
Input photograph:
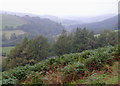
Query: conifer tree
{"type": "Point", "coordinates": [62, 44]}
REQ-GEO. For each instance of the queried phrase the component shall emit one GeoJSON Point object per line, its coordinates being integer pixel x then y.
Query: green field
{"type": "Point", "coordinates": [8, 33]}
{"type": "Point", "coordinates": [7, 49]}
{"type": "Point", "coordinates": [11, 21]}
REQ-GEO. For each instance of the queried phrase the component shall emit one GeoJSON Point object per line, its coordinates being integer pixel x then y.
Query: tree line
{"type": "Point", "coordinates": [36, 49]}
{"type": "Point", "coordinates": [82, 39]}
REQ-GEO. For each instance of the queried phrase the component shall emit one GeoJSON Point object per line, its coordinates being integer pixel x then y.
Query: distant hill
{"type": "Point", "coordinates": [100, 18]}
{"type": "Point", "coordinates": [48, 24]}
{"type": "Point", "coordinates": [31, 25]}
{"type": "Point", "coordinates": [98, 27]}
{"type": "Point", "coordinates": [37, 25]}
{"type": "Point", "coordinates": [64, 21]}
{"type": "Point", "coordinates": [11, 21]}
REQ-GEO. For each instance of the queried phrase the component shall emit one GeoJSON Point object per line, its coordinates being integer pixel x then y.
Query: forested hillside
{"type": "Point", "coordinates": [40, 26]}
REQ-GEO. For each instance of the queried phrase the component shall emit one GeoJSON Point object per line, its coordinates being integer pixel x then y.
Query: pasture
{"type": "Point", "coordinates": [8, 33]}
{"type": "Point", "coordinates": [6, 49]}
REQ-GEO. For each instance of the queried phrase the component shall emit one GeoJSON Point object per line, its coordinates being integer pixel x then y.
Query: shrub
{"type": "Point", "coordinates": [80, 68]}
{"type": "Point", "coordinates": [34, 78]}
{"type": "Point", "coordinates": [71, 72]}
{"type": "Point", "coordinates": [7, 78]}
{"type": "Point", "coordinates": [20, 73]}
{"type": "Point", "coordinates": [94, 64]}
{"type": "Point", "coordinates": [96, 81]}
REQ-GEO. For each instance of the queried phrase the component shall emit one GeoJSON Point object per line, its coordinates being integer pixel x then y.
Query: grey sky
{"type": "Point", "coordinates": [62, 7]}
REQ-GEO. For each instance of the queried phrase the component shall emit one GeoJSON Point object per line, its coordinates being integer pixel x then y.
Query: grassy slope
{"type": "Point", "coordinates": [11, 21]}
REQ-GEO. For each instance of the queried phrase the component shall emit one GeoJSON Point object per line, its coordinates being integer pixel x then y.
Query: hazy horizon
{"type": "Point", "coordinates": [62, 8]}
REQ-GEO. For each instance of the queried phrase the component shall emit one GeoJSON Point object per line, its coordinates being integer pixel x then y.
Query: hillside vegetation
{"type": "Point", "coordinates": [90, 64]}
{"type": "Point", "coordinates": [39, 26]}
